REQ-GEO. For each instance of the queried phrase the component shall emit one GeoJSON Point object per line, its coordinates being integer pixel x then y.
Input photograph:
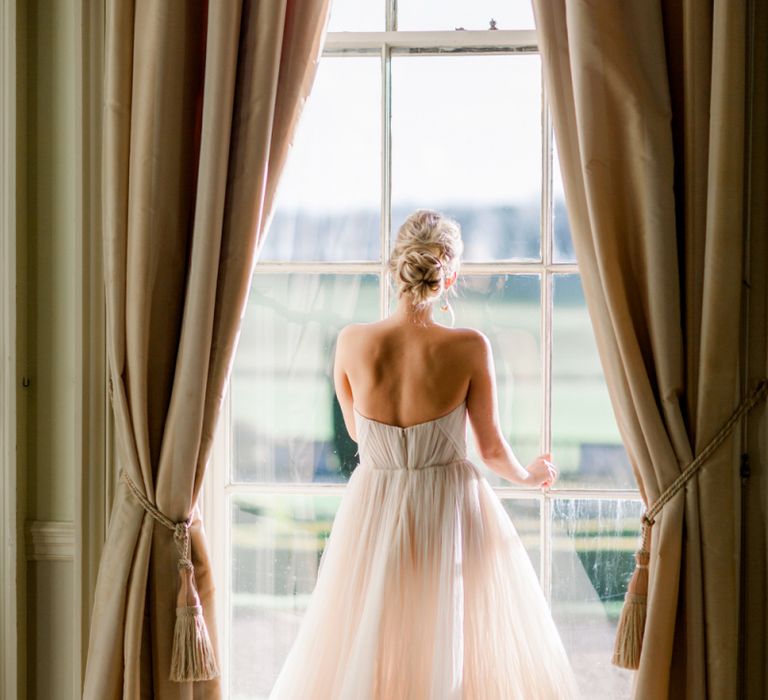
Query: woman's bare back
{"type": "Point", "coordinates": [405, 373]}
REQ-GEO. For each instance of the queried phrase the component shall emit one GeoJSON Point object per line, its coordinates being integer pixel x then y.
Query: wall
{"type": "Point", "coordinates": [48, 243]}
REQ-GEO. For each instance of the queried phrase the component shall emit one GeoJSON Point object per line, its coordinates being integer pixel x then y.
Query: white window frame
{"type": "Point", "coordinates": [217, 488]}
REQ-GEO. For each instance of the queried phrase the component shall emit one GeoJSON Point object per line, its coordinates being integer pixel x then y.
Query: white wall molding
{"type": "Point", "coordinates": [50, 540]}
{"type": "Point", "coordinates": [9, 518]}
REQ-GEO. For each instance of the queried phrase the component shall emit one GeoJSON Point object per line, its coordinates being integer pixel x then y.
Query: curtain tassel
{"type": "Point", "coordinates": [629, 634]}
{"type": "Point", "coordinates": [192, 656]}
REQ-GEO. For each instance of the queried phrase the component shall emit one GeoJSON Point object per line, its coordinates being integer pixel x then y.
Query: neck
{"type": "Point", "coordinates": [406, 311]}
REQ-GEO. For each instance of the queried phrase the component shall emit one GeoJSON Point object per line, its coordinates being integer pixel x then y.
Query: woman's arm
{"type": "Point", "coordinates": [482, 407]}
{"type": "Point", "coordinates": [341, 382]}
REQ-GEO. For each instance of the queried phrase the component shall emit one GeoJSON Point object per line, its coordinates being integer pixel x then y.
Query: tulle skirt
{"type": "Point", "coordinates": [425, 592]}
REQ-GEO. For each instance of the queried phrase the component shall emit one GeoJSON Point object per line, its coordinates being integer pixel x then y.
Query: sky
{"type": "Point", "coordinates": [465, 129]}
{"type": "Point", "coordinates": [368, 15]}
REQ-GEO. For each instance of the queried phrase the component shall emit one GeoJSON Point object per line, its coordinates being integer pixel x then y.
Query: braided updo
{"type": "Point", "coordinates": [426, 253]}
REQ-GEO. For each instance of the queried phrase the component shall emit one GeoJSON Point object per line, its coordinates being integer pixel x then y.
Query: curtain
{"type": "Point", "coordinates": [648, 107]}
{"type": "Point", "coordinates": [201, 101]}
{"type": "Point", "coordinates": [754, 667]}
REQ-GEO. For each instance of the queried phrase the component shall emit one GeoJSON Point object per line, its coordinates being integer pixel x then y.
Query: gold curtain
{"type": "Point", "coordinates": [648, 106]}
{"type": "Point", "coordinates": [754, 666]}
{"type": "Point", "coordinates": [201, 101]}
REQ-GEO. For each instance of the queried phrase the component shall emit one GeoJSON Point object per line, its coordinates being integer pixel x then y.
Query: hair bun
{"type": "Point", "coordinates": [426, 252]}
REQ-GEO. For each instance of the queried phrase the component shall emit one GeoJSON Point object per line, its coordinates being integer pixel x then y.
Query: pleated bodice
{"type": "Point", "coordinates": [434, 443]}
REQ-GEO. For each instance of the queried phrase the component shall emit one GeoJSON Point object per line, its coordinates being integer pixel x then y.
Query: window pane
{"type": "Point", "coordinates": [277, 542]}
{"type": "Point", "coordinates": [287, 424]}
{"type": "Point", "coordinates": [586, 444]}
{"type": "Point", "coordinates": [562, 249]}
{"type": "Point", "coordinates": [451, 14]}
{"type": "Point", "coordinates": [592, 561]}
{"type": "Point", "coordinates": [524, 513]}
{"type": "Point", "coordinates": [507, 309]}
{"type": "Point", "coordinates": [357, 16]}
{"type": "Point", "coordinates": [328, 201]}
{"type": "Point", "coordinates": [466, 140]}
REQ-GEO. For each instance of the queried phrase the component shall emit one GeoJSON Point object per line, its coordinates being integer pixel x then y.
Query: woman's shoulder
{"type": "Point", "coordinates": [355, 333]}
{"type": "Point", "coordinates": [464, 333]}
{"type": "Point", "coordinates": [473, 346]}
{"type": "Point", "coordinates": [471, 336]}
{"type": "Point", "coordinates": [463, 339]}
{"type": "Point", "coordinates": [356, 329]}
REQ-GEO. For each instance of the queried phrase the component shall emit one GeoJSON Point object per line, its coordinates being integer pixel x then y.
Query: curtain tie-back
{"type": "Point", "coordinates": [192, 656]}
{"type": "Point", "coordinates": [629, 634]}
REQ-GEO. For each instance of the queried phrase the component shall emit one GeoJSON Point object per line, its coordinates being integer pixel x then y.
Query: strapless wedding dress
{"type": "Point", "coordinates": [424, 589]}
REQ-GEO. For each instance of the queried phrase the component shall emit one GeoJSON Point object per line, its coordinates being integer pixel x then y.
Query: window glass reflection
{"type": "Point", "coordinates": [562, 244]}
{"type": "Point", "coordinates": [525, 516]}
{"type": "Point", "coordinates": [592, 560]}
{"type": "Point", "coordinates": [287, 424]}
{"type": "Point", "coordinates": [586, 444]}
{"type": "Point", "coordinates": [277, 542]}
{"type": "Point", "coordinates": [507, 308]}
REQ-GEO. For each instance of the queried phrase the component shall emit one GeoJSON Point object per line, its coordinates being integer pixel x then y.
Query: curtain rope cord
{"type": "Point", "coordinates": [180, 529]}
{"type": "Point", "coordinates": [758, 393]}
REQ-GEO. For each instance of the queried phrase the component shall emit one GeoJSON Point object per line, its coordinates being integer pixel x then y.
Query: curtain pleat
{"type": "Point", "coordinates": [201, 102]}
{"type": "Point", "coordinates": [754, 671]}
{"type": "Point", "coordinates": [648, 109]}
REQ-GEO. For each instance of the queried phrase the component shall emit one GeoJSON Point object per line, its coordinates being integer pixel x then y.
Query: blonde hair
{"type": "Point", "coordinates": [427, 251]}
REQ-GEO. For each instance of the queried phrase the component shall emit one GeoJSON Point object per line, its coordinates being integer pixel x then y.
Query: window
{"type": "Point", "coordinates": [410, 111]}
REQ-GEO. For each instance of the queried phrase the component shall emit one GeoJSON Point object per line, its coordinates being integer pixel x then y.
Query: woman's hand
{"type": "Point", "coordinates": [541, 472]}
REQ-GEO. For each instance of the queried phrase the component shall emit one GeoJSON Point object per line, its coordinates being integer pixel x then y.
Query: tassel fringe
{"type": "Point", "coordinates": [192, 657]}
{"type": "Point", "coordinates": [629, 634]}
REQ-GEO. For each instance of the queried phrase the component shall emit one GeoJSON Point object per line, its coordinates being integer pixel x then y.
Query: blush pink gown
{"type": "Point", "coordinates": [424, 589]}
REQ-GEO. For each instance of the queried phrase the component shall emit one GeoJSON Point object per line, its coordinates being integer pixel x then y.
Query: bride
{"type": "Point", "coordinates": [424, 589]}
{"type": "Point", "coordinates": [407, 368]}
